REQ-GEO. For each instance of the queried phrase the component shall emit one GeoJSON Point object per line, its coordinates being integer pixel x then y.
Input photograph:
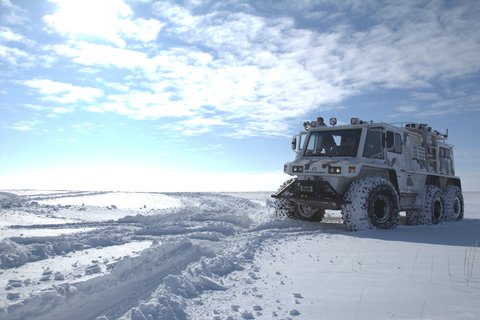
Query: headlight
{"type": "Point", "coordinates": [297, 169]}
{"type": "Point", "coordinates": [335, 170]}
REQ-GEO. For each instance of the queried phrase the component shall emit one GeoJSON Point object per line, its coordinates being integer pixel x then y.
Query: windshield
{"type": "Point", "coordinates": [330, 143]}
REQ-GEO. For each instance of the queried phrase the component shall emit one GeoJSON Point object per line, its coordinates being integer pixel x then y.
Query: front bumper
{"type": "Point", "coordinates": [318, 194]}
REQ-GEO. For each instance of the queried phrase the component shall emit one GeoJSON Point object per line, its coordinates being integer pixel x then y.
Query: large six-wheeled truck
{"type": "Point", "coordinates": [371, 172]}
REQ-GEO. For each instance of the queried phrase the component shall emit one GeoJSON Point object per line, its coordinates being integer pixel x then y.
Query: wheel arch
{"type": "Point", "coordinates": [387, 174]}
{"type": "Point", "coordinates": [455, 182]}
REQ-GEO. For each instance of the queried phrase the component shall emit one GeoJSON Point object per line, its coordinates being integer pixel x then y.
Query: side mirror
{"type": "Point", "coordinates": [294, 143]}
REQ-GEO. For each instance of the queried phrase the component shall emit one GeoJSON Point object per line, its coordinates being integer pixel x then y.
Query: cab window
{"type": "Point", "coordinates": [333, 143]}
{"type": "Point", "coordinates": [373, 144]}
{"type": "Point", "coordinates": [394, 142]}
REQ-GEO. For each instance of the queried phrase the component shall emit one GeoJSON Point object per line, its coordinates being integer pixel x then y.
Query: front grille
{"type": "Point", "coordinates": [316, 190]}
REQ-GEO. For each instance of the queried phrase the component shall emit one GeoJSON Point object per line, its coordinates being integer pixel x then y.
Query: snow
{"type": "Point", "coordinates": [124, 200]}
{"type": "Point", "coordinates": [125, 255]}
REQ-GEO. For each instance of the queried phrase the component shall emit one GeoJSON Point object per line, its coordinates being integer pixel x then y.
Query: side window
{"type": "Point", "coordinates": [446, 163]}
{"type": "Point", "coordinates": [398, 143]}
{"type": "Point", "coordinates": [445, 153]}
{"type": "Point", "coordinates": [373, 144]}
{"type": "Point", "coordinates": [432, 152]}
{"type": "Point", "coordinates": [394, 142]}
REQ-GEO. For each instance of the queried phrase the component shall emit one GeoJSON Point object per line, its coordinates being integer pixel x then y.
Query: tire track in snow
{"type": "Point", "coordinates": [213, 220]}
{"type": "Point", "coordinates": [133, 280]}
{"type": "Point", "coordinates": [201, 244]}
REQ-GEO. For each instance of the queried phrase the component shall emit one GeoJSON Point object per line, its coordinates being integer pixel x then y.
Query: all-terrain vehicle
{"type": "Point", "coordinates": [371, 172]}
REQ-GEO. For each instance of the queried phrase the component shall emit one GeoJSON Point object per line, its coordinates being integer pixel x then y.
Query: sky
{"type": "Point", "coordinates": [195, 95]}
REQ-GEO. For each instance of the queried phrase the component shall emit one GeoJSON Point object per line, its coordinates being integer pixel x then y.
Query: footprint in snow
{"type": "Point", "coordinates": [247, 315]}
{"type": "Point", "coordinates": [13, 295]}
{"type": "Point", "coordinates": [294, 312]}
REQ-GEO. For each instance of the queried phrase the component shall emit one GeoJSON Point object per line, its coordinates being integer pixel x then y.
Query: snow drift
{"type": "Point", "coordinates": [100, 255]}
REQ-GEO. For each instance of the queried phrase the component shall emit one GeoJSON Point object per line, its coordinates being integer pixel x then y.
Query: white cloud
{"type": "Point", "coordinates": [35, 107]}
{"type": "Point", "coordinates": [143, 105]}
{"type": "Point", "coordinates": [61, 110]}
{"type": "Point", "coordinates": [87, 127]}
{"type": "Point", "coordinates": [175, 14]}
{"type": "Point", "coordinates": [261, 71]}
{"type": "Point", "coordinates": [14, 57]}
{"type": "Point", "coordinates": [6, 34]}
{"type": "Point", "coordinates": [23, 126]}
{"type": "Point", "coordinates": [51, 112]}
{"type": "Point", "coordinates": [13, 14]}
{"type": "Point", "coordinates": [63, 92]}
{"type": "Point", "coordinates": [200, 125]}
{"type": "Point", "coordinates": [90, 54]}
{"type": "Point", "coordinates": [108, 20]}
{"type": "Point", "coordinates": [9, 36]}
{"type": "Point", "coordinates": [144, 30]}
{"type": "Point", "coordinates": [408, 109]}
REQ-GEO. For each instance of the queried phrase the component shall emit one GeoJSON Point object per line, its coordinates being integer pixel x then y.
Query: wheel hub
{"type": "Point", "coordinates": [437, 210]}
{"type": "Point", "coordinates": [381, 209]}
{"type": "Point", "coordinates": [456, 207]}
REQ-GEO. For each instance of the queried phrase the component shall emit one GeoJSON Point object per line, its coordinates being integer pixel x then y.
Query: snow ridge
{"type": "Point", "coordinates": [224, 256]}
{"type": "Point", "coordinates": [180, 265]}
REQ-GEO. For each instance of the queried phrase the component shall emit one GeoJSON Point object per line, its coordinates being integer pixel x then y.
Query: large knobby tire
{"type": "Point", "coordinates": [293, 210]}
{"type": "Point", "coordinates": [371, 202]}
{"type": "Point", "coordinates": [284, 207]}
{"type": "Point", "coordinates": [412, 217]}
{"type": "Point", "coordinates": [453, 203]}
{"type": "Point", "coordinates": [433, 208]}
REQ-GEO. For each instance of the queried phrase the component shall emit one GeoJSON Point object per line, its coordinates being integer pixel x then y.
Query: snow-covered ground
{"type": "Point", "coordinates": [118, 255]}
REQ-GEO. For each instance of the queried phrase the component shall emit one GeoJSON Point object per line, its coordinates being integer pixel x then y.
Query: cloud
{"type": "Point", "coordinates": [60, 110]}
{"type": "Point", "coordinates": [257, 70]}
{"type": "Point", "coordinates": [144, 30]}
{"type": "Point", "coordinates": [200, 125]}
{"type": "Point", "coordinates": [63, 92]}
{"type": "Point", "coordinates": [111, 21]}
{"type": "Point", "coordinates": [14, 57]}
{"type": "Point", "coordinates": [143, 105]}
{"type": "Point", "coordinates": [6, 34]}
{"type": "Point", "coordinates": [87, 127]}
{"type": "Point", "coordinates": [441, 100]}
{"type": "Point", "coordinates": [13, 14]}
{"type": "Point", "coordinates": [49, 111]}
{"type": "Point", "coordinates": [10, 53]}
{"type": "Point", "coordinates": [90, 54]}
{"type": "Point", "coordinates": [23, 126]}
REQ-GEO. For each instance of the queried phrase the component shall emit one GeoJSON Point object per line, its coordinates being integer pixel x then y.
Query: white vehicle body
{"type": "Point", "coordinates": [410, 161]}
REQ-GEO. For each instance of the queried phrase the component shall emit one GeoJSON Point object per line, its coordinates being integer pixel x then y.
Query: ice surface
{"type": "Point", "coordinates": [121, 200]}
{"type": "Point", "coordinates": [98, 255]}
